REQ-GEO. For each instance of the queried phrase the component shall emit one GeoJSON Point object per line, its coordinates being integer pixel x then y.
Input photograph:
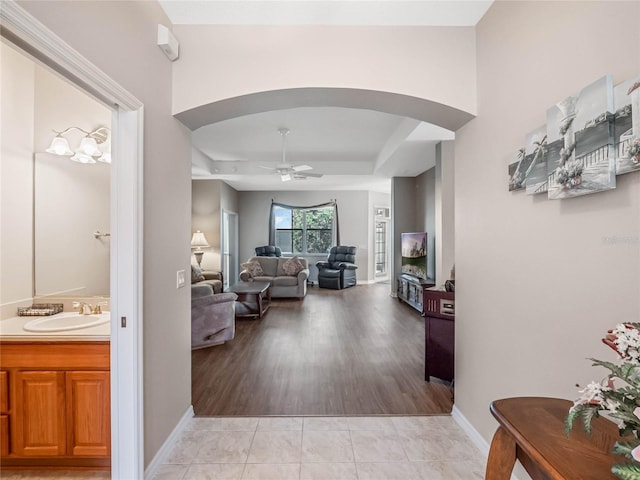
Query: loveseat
{"type": "Point", "coordinates": [272, 269]}
{"type": "Point", "coordinates": [213, 316]}
{"type": "Point", "coordinates": [206, 277]}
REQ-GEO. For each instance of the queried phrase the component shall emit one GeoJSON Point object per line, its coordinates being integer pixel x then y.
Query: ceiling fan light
{"type": "Point", "coordinates": [285, 177]}
{"type": "Point", "coordinates": [59, 146]}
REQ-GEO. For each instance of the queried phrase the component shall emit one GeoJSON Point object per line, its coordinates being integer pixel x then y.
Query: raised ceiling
{"type": "Point", "coordinates": [352, 148]}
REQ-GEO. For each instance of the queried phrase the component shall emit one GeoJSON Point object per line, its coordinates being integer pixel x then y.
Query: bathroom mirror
{"type": "Point", "coordinates": [71, 227]}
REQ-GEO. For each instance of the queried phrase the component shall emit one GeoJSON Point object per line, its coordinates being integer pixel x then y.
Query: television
{"type": "Point", "coordinates": [414, 254]}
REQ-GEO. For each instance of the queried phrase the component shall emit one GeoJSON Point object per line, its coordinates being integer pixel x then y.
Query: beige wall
{"type": "Point", "coordinates": [221, 62]}
{"type": "Point", "coordinates": [16, 187]}
{"type": "Point", "coordinates": [71, 199]}
{"type": "Point", "coordinates": [425, 221]}
{"type": "Point", "coordinates": [120, 38]}
{"type": "Point", "coordinates": [445, 211]}
{"type": "Point", "coordinates": [539, 281]}
{"type": "Point", "coordinates": [208, 199]}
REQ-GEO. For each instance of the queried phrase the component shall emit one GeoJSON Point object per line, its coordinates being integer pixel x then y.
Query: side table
{"type": "Point", "coordinates": [254, 298]}
{"type": "Point", "coordinates": [532, 431]}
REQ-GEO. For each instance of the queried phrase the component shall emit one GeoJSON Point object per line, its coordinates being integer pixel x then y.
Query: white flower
{"type": "Point", "coordinates": [635, 453]}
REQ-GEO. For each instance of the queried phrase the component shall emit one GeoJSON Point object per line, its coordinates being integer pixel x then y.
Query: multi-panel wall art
{"type": "Point", "coordinates": [626, 132]}
{"type": "Point", "coordinates": [588, 139]}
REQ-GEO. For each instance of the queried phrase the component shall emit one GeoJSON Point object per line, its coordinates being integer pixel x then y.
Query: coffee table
{"type": "Point", "coordinates": [254, 298]}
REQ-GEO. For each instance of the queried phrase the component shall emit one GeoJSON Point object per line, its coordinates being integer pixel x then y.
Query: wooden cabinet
{"type": "Point", "coordinates": [439, 329]}
{"type": "Point", "coordinates": [411, 290]}
{"type": "Point", "coordinates": [55, 402]}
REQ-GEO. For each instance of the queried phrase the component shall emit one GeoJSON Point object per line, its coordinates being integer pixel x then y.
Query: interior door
{"type": "Point", "coordinates": [229, 248]}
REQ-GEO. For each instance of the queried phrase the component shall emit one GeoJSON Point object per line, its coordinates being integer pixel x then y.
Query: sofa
{"type": "Point", "coordinates": [273, 271]}
{"type": "Point", "coordinates": [213, 316]}
{"type": "Point", "coordinates": [206, 277]}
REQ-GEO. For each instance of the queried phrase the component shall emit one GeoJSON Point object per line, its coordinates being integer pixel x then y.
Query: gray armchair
{"type": "Point", "coordinates": [339, 270]}
{"type": "Point", "coordinates": [213, 316]}
{"type": "Point", "coordinates": [268, 251]}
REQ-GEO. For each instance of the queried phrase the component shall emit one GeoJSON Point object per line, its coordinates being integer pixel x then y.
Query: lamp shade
{"type": "Point", "coordinates": [105, 157]}
{"type": "Point", "coordinates": [89, 146]}
{"type": "Point", "coordinates": [199, 240]}
{"type": "Point", "coordinates": [59, 146]}
{"type": "Point", "coordinates": [82, 158]}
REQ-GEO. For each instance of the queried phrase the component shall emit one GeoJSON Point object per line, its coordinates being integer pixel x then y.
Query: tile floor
{"type": "Point", "coordinates": [323, 448]}
{"type": "Point", "coordinates": [311, 448]}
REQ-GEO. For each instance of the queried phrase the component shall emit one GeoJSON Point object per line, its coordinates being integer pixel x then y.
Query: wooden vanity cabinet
{"type": "Point", "coordinates": [57, 404]}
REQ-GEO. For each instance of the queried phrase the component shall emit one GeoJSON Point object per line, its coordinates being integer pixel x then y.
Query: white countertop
{"type": "Point", "coordinates": [11, 330]}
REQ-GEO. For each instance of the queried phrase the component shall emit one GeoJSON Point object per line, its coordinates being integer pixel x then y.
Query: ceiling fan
{"type": "Point", "coordinates": [288, 171]}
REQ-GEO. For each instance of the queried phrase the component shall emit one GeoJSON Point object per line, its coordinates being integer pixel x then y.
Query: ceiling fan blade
{"type": "Point", "coordinates": [286, 177]}
{"type": "Point", "coordinates": [301, 168]}
{"type": "Point", "coordinates": [309, 174]}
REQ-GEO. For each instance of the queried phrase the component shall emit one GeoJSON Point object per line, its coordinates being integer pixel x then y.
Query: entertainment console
{"type": "Point", "coordinates": [410, 289]}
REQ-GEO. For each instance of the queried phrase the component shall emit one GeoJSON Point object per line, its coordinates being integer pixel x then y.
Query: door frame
{"type": "Point", "coordinates": [28, 34]}
{"type": "Point", "coordinates": [234, 250]}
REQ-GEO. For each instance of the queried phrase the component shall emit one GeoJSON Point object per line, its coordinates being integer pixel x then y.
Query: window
{"type": "Point", "coordinates": [381, 247]}
{"type": "Point", "coordinates": [304, 230]}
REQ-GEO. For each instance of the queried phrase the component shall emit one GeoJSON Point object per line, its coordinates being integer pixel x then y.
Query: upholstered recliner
{"type": "Point", "coordinates": [213, 316]}
{"type": "Point", "coordinates": [339, 271]}
{"type": "Point", "coordinates": [268, 251]}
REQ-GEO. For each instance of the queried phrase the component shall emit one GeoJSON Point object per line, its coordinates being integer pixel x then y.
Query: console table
{"type": "Point", "coordinates": [410, 290]}
{"type": "Point", "coordinates": [532, 430]}
{"type": "Point", "coordinates": [439, 333]}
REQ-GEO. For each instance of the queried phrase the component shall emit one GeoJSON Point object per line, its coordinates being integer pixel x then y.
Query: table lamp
{"type": "Point", "coordinates": [198, 241]}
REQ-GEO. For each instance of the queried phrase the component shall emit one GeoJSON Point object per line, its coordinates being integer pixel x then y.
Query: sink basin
{"type": "Point", "coordinates": [66, 321]}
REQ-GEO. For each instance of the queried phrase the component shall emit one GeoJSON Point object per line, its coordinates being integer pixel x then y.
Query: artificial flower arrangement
{"type": "Point", "coordinates": [621, 402]}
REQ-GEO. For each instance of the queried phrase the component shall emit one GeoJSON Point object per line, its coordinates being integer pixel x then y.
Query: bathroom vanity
{"type": "Point", "coordinates": [54, 396]}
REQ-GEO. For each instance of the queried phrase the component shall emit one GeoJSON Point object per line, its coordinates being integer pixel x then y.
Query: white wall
{"type": "Point", "coordinates": [353, 209]}
{"type": "Point", "coordinates": [16, 185]}
{"type": "Point", "coordinates": [539, 282]}
{"type": "Point", "coordinates": [120, 39]}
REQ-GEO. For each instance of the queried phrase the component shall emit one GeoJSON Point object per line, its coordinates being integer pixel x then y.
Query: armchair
{"type": "Point", "coordinates": [339, 270]}
{"type": "Point", "coordinates": [212, 316]}
{"type": "Point", "coordinates": [268, 251]}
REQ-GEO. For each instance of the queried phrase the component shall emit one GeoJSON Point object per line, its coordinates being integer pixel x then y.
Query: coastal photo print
{"type": "Point", "coordinates": [627, 126]}
{"type": "Point", "coordinates": [535, 148]}
{"type": "Point", "coordinates": [580, 152]}
{"type": "Point", "coordinates": [518, 171]}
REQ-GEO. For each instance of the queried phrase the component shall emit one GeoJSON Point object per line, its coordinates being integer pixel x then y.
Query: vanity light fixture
{"type": "Point", "coordinates": [95, 145]}
{"type": "Point", "coordinates": [198, 241]}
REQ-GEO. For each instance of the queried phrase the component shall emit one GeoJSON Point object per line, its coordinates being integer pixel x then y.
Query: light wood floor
{"type": "Point", "coordinates": [356, 351]}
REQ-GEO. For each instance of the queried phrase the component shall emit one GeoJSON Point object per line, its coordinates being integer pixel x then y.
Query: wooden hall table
{"type": "Point", "coordinates": [532, 430]}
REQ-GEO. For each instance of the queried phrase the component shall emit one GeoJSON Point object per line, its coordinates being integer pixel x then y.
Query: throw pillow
{"type": "Point", "coordinates": [196, 274]}
{"type": "Point", "coordinates": [292, 266]}
{"type": "Point", "coordinates": [253, 268]}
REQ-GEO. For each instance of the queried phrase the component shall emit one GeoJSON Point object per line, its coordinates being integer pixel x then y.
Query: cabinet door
{"type": "Point", "coordinates": [38, 426]}
{"type": "Point", "coordinates": [88, 414]}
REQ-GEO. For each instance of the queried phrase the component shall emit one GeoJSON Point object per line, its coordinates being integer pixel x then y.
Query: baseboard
{"type": "Point", "coordinates": [477, 439]}
{"type": "Point", "coordinates": [169, 443]}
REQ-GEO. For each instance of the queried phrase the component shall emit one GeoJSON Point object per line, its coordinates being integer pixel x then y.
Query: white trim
{"type": "Point", "coordinates": [127, 420]}
{"type": "Point", "coordinates": [477, 439]}
{"type": "Point", "coordinates": [164, 451]}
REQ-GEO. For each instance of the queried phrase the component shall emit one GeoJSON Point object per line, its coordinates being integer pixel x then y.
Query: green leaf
{"type": "Point", "coordinates": [626, 471]}
{"type": "Point", "coordinates": [624, 448]}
